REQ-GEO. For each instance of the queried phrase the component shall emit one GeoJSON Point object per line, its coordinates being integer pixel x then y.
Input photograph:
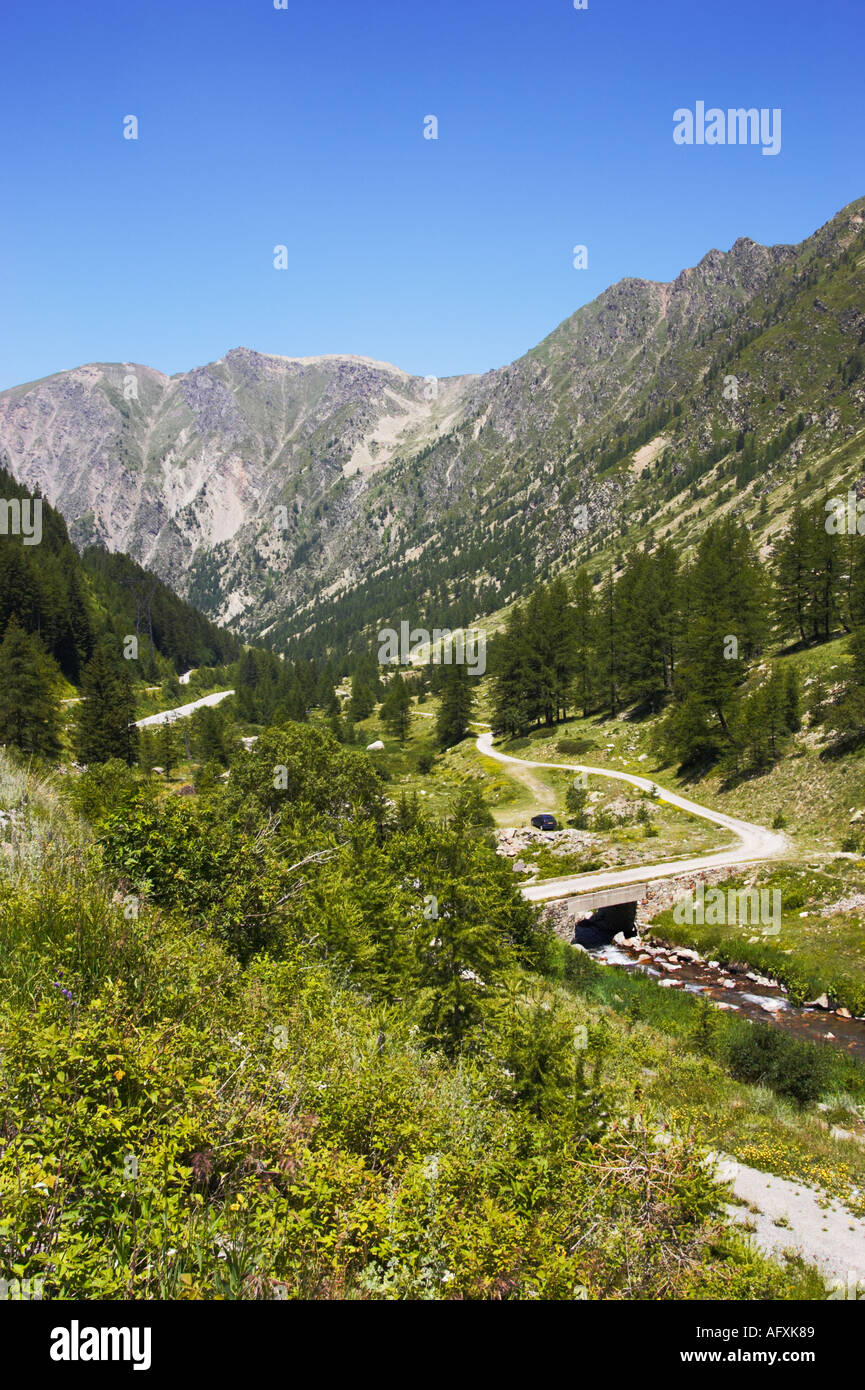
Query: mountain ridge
{"type": "Point", "coordinates": [265, 488]}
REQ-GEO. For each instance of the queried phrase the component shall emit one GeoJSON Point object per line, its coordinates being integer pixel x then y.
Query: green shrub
{"type": "Point", "coordinates": [103, 787]}
{"type": "Point", "coordinates": [573, 747]}
{"type": "Point", "coordinates": [765, 1056]}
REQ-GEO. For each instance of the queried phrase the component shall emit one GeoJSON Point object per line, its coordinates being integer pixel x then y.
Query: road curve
{"type": "Point", "coordinates": [167, 716]}
{"type": "Point", "coordinates": [756, 843]}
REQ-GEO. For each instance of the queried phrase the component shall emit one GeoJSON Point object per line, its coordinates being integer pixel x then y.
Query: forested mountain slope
{"type": "Point", "coordinates": [69, 601]}
{"type": "Point", "coordinates": [318, 496]}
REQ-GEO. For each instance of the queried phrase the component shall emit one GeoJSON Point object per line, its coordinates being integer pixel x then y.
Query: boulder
{"type": "Point", "coordinates": [821, 1002]}
{"type": "Point", "coordinates": [375, 747]}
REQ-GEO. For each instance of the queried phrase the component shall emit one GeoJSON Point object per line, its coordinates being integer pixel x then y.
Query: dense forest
{"type": "Point", "coordinates": [691, 637]}
{"type": "Point", "coordinates": [99, 622]}
{"type": "Point", "coordinates": [68, 601]}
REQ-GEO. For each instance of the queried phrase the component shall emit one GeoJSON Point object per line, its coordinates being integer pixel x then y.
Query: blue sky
{"type": "Point", "coordinates": [304, 127]}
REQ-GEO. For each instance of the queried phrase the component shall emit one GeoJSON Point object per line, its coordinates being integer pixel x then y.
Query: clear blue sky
{"type": "Point", "coordinates": [304, 127]}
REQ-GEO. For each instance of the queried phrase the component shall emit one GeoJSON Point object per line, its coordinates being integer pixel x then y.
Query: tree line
{"type": "Point", "coordinates": [683, 635]}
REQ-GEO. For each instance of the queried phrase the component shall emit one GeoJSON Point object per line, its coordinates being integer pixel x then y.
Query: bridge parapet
{"type": "Point", "coordinates": [606, 897]}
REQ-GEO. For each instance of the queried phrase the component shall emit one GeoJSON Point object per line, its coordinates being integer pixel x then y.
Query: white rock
{"type": "Point", "coordinates": [821, 1002]}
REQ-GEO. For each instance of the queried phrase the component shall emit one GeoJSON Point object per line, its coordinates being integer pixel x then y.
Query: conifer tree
{"type": "Point", "coordinates": [455, 710]}
{"type": "Point", "coordinates": [362, 702]}
{"type": "Point", "coordinates": [29, 712]}
{"type": "Point", "coordinates": [167, 747]}
{"type": "Point", "coordinates": [608, 642]}
{"type": "Point", "coordinates": [583, 629]}
{"type": "Point", "coordinates": [562, 644]}
{"type": "Point", "coordinates": [105, 727]}
{"type": "Point", "coordinates": [511, 676]}
{"type": "Point", "coordinates": [396, 708]}
{"type": "Point", "coordinates": [727, 619]}
{"type": "Point", "coordinates": [792, 576]}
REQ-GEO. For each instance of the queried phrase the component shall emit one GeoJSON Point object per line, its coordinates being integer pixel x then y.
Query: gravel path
{"type": "Point", "coordinates": [181, 711]}
{"type": "Point", "coordinates": [817, 1227]}
{"type": "Point", "coordinates": [755, 842]}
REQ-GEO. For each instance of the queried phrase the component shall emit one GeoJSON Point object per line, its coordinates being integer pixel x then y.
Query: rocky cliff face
{"type": "Point", "coordinates": [265, 488]}
{"type": "Point", "coordinates": [170, 467]}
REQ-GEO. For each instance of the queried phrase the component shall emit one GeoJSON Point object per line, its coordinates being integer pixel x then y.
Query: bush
{"type": "Point", "coordinates": [575, 799]}
{"type": "Point", "coordinates": [103, 787]}
{"type": "Point", "coordinates": [764, 1056]}
{"type": "Point", "coordinates": [573, 746]}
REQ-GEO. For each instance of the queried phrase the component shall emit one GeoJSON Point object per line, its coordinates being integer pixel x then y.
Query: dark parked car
{"type": "Point", "coordinates": [545, 821]}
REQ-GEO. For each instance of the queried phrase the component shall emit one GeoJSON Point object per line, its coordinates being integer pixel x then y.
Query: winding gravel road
{"type": "Point", "coordinates": [755, 842]}
{"type": "Point", "coordinates": [784, 1215]}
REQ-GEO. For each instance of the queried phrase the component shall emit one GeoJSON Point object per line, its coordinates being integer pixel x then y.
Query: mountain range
{"type": "Point", "coordinates": [305, 499]}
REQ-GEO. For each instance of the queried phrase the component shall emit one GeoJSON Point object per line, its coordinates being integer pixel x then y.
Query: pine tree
{"type": "Point", "coordinates": [455, 710]}
{"type": "Point", "coordinates": [576, 798]}
{"type": "Point", "coordinates": [608, 642]}
{"type": "Point", "coordinates": [510, 657]}
{"type": "Point", "coordinates": [362, 702]}
{"type": "Point", "coordinates": [542, 686]}
{"type": "Point", "coordinates": [818, 577]}
{"type": "Point", "coordinates": [29, 712]}
{"type": "Point", "coordinates": [167, 747]}
{"type": "Point", "coordinates": [562, 643]}
{"type": "Point", "coordinates": [727, 617]}
{"type": "Point", "coordinates": [792, 576]}
{"type": "Point", "coordinates": [396, 708]}
{"type": "Point", "coordinates": [584, 629]}
{"type": "Point", "coordinates": [207, 726]}
{"type": "Point", "coordinates": [847, 719]}
{"type": "Point", "coordinates": [105, 727]}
